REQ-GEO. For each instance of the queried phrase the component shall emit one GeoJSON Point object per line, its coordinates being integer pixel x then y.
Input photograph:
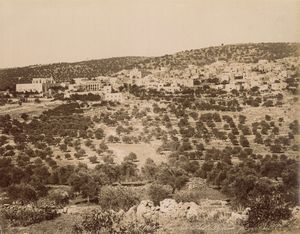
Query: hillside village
{"type": "Point", "coordinates": [273, 76]}
{"type": "Point", "coordinates": [202, 140]}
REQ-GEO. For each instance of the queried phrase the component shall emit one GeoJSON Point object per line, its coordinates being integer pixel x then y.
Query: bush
{"type": "Point", "coordinates": [276, 149]}
{"type": "Point", "coordinates": [24, 116]}
{"type": "Point", "coordinates": [24, 215]}
{"type": "Point", "coordinates": [60, 197]}
{"type": "Point", "coordinates": [175, 177]}
{"type": "Point", "coordinates": [187, 196]}
{"type": "Point", "coordinates": [37, 100]}
{"type": "Point", "coordinates": [147, 226]}
{"type": "Point", "coordinates": [68, 156]}
{"type": "Point", "coordinates": [99, 133]}
{"type": "Point", "coordinates": [117, 197]}
{"type": "Point", "coordinates": [93, 159]}
{"type": "Point", "coordinates": [267, 211]}
{"type": "Point", "coordinates": [158, 192]}
{"type": "Point", "coordinates": [99, 221]}
{"type": "Point", "coordinates": [22, 192]}
{"type": "Point", "coordinates": [244, 141]}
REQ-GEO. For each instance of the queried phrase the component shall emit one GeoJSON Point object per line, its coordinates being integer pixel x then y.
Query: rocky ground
{"type": "Point", "coordinates": [209, 216]}
{"type": "Point", "coordinates": [173, 217]}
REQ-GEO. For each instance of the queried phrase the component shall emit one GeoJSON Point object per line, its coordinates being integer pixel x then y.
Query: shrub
{"type": "Point", "coordinates": [147, 226]}
{"type": "Point", "coordinates": [24, 215]}
{"type": "Point", "coordinates": [117, 197]}
{"type": "Point", "coordinates": [242, 119]}
{"type": "Point", "coordinates": [267, 211]}
{"type": "Point", "coordinates": [63, 147]}
{"type": "Point", "coordinates": [158, 192]}
{"type": "Point", "coordinates": [276, 149]}
{"type": "Point", "coordinates": [99, 221]}
{"type": "Point", "coordinates": [187, 196]}
{"type": "Point", "coordinates": [244, 141]}
{"type": "Point", "coordinates": [68, 156]}
{"type": "Point", "coordinates": [175, 177]}
{"type": "Point", "coordinates": [103, 146]}
{"type": "Point", "coordinates": [88, 143]}
{"type": "Point", "coordinates": [149, 169]}
{"type": "Point", "coordinates": [24, 116]}
{"type": "Point", "coordinates": [22, 192]}
{"type": "Point", "coordinates": [99, 133]}
{"type": "Point", "coordinates": [37, 100]}
{"type": "Point", "coordinates": [131, 157]}
{"type": "Point", "coordinates": [268, 118]}
{"type": "Point", "coordinates": [93, 159]}
{"type": "Point", "coordinates": [258, 138]}
{"type": "Point", "coordinates": [60, 197]}
{"type": "Point", "coordinates": [294, 126]}
{"type": "Point", "coordinates": [268, 103]}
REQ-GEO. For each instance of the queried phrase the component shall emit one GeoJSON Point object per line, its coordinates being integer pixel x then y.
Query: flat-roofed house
{"type": "Point", "coordinates": [229, 87]}
{"type": "Point", "coordinates": [43, 80]}
{"type": "Point", "coordinates": [114, 97]}
{"type": "Point", "coordinates": [171, 87]}
{"type": "Point", "coordinates": [264, 87]}
{"type": "Point", "coordinates": [278, 86]}
{"type": "Point", "coordinates": [224, 77]}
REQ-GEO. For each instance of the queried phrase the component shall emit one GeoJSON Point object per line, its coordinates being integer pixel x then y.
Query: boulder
{"type": "Point", "coordinates": [182, 209]}
{"type": "Point", "coordinates": [121, 213]}
{"type": "Point", "coordinates": [168, 210]}
{"type": "Point", "coordinates": [238, 219]}
{"type": "Point", "coordinates": [130, 215]}
{"type": "Point", "coordinates": [192, 211]}
{"type": "Point", "coordinates": [146, 211]}
{"type": "Point", "coordinates": [168, 206]}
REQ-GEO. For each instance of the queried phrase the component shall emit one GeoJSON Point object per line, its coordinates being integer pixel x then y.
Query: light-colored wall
{"type": "Point", "coordinates": [22, 88]}
{"type": "Point", "coordinates": [42, 80]}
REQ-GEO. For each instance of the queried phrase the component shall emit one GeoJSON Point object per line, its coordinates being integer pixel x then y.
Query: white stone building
{"type": "Point", "coordinates": [43, 80]}
{"type": "Point", "coordinates": [264, 87]}
{"type": "Point", "coordinates": [114, 97]}
{"type": "Point", "coordinates": [278, 86]}
{"type": "Point", "coordinates": [23, 88]}
{"type": "Point", "coordinates": [135, 74]}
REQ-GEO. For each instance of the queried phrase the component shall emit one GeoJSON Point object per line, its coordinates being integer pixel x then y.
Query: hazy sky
{"type": "Point", "coordinates": [47, 31]}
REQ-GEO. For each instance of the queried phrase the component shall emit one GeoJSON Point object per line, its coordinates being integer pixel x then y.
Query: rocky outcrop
{"type": "Point", "coordinates": [237, 218]}
{"type": "Point", "coordinates": [169, 210]}
{"type": "Point", "coordinates": [146, 211]}
{"type": "Point", "coordinates": [193, 211]}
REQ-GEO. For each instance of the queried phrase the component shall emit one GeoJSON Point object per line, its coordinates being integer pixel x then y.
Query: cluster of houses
{"type": "Point", "coordinates": [159, 80]}
{"type": "Point", "coordinates": [267, 76]}
{"type": "Point", "coordinates": [99, 85]}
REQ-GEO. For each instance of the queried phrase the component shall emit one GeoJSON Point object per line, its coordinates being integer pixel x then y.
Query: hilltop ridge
{"type": "Point", "coordinates": [243, 53]}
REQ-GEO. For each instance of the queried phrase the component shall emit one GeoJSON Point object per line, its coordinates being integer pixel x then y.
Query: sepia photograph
{"type": "Point", "coordinates": [149, 116]}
